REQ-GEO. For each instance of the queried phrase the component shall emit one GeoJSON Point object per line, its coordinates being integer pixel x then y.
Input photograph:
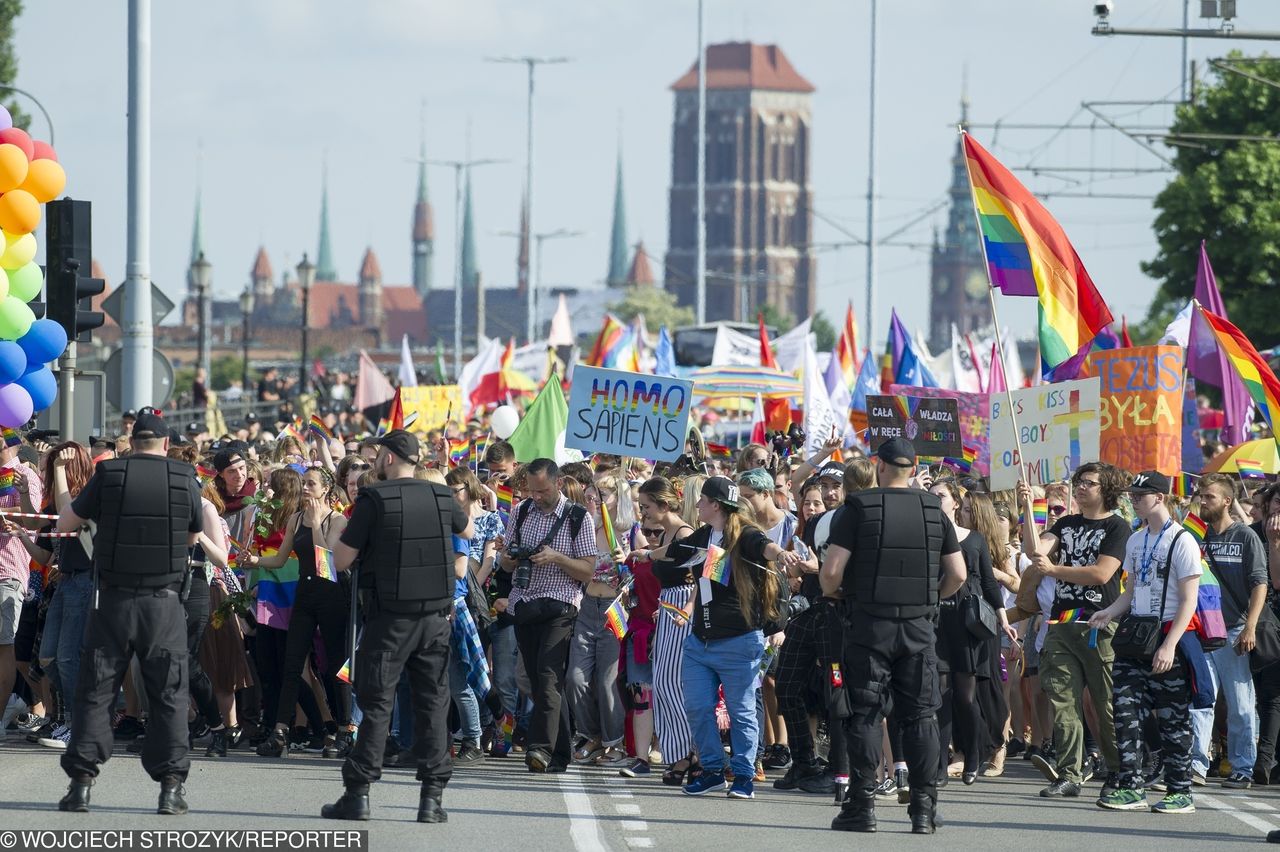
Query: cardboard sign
{"type": "Point", "coordinates": [1058, 430]}
{"type": "Point", "coordinates": [974, 410]}
{"type": "Point", "coordinates": [1141, 413]}
{"type": "Point", "coordinates": [431, 405]}
{"type": "Point", "coordinates": [628, 414]}
{"type": "Point", "coordinates": [931, 425]}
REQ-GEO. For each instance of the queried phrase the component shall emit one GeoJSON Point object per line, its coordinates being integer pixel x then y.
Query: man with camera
{"type": "Point", "coordinates": [550, 552]}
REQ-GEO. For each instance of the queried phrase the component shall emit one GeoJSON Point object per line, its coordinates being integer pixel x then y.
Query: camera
{"type": "Point", "coordinates": [797, 436]}
{"type": "Point", "coordinates": [523, 575]}
{"type": "Point", "coordinates": [1103, 8]}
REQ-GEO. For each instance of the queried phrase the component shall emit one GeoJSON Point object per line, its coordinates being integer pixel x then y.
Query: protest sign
{"type": "Point", "coordinates": [931, 425]}
{"type": "Point", "coordinates": [628, 414]}
{"type": "Point", "coordinates": [1058, 431]}
{"type": "Point", "coordinates": [431, 405]}
{"type": "Point", "coordinates": [974, 411]}
{"type": "Point", "coordinates": [1141, 407]}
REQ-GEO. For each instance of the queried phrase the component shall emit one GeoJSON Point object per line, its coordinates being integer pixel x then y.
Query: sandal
{"type": "Point", "coordinates": [674, 777]}
{"type": "Point", "coordinates": [588, 751]}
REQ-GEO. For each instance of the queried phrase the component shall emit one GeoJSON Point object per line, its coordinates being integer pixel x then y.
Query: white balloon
{"type": "Point", "coordinates": [504, 421]}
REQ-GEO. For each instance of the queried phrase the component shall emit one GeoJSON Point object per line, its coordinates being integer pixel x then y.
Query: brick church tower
{"type": "Point", "coordinates": [759, 196]}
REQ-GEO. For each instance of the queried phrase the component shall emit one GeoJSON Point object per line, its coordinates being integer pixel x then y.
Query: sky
{"type": "Point", "coordinates": [249, 98]}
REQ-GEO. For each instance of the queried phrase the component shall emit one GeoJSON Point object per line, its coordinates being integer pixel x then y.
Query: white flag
{"type": "Point", "coordinates": [408, 378]}
{"type": "Point", "coordinates": [819, 418]}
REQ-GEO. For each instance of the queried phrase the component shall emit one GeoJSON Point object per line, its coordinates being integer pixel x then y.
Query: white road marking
{"type": "Point", "coordinates": [634, 825]}
{"type": "Point", "coordinates": [584, 828]}
{"type": "Point", "coordinates": [1248, 819]}
{"type": "Point", "coordinates": [627, 810]}
{"type": "Point", "coordinates": [1259, 806]}
{"type": "Point", "coordinates": [640, 842]}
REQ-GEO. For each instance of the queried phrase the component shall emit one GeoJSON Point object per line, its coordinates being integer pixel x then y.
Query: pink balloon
{"type": "Point", "coordinates": [16, 406]}
{"type": "Point", "coordinates": [18, 136]}
{"type": "Point", "coordinates": [43, 151]}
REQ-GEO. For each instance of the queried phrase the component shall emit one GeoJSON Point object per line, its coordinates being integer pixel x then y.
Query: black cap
{"type": "Point", "coordinates": [1149, 482]}
{"type": "Point", "coordinates": [832, 470]}
{"type": "Point", "coordinates": [722, 490]}
{"type": "Point", "coordinates": [150, 426]}
{"type": "Point", "coordinates": [897, 452]}
{"type": "Point", "coordinates": [402, 443]}
{"type": "Point", "coordinates": [225, 458]}
{"type": "Point", "coordinates": [194, 428]}
{"type": "Point", "coordinates": [130, 414]}
{"type": "Point", "coordinates": [250, 418]}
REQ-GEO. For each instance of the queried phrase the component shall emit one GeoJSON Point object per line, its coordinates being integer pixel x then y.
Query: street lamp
{"type": "Point", "coordinates": [558, 234]}
{"type": "Point", "coordinates": [246, 310]}
{"type": "Point", "coordinates": [202, 277]}
{"type": "Point", "coordinates": [306, 277]}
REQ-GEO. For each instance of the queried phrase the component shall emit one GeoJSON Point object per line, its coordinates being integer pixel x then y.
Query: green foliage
{"type": "Point", "coordinates": [824, 331]}
{"type": "Point", "coordinates": [1227, 192]}
{"type": "Point", "coordinates": [658, 306]}
{"type": "Point", "coordinates": [225, 369]}
{"type": "Point", "coordinates": [9, 12]}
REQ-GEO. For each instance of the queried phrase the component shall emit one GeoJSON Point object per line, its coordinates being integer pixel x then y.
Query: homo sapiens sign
{"type": "Point", "coordinates": [931, 425]}
{"type": "Point", "coordinates": [628, 414]}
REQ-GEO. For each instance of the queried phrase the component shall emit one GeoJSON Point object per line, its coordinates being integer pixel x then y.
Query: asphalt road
{"type": "Point", "coordinates": [499, 805]}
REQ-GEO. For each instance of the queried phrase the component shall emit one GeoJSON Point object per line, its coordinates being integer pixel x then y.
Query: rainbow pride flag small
{"type": "Point", "coordinates": [320, 430]}
{"type": "Point", "coordinates": [1184, 484]}
{"type": "Point", "coordinates": [11, 437]}
{"type": "Point", "coordinates": [503, 493]}
{"type": "Point", "coordinates": [615, 617]}
{"type": "Point", "coordinates": [508, 729]}
{"type": "Point", "coordinates": [1195, 526]}
{"type": "Point", "coordinates": [293, 431]}
{"type": "Point", "coordinates": [204, 474]}
{"type": "Point", "coordinates": [1250, 469]}
{"type": "Point", "coordinates": [964, 464]}
{"type": "Point", "coordinates": [1067, 616]}
{"type": "Point", "coordinates": [1039, 512]}
{"type": "Point", "coordinates": [610, 536]}
{"type": "Point", "coordinates": [344, 673]}
{"type": "Point", "coordinates": [458, 451]}
{"type": "Point", "coordinates": [6, 483]}
{"type": "Point", "coordinates": [718, 451]}
{"type": "Point", "coordinates": [679, 616]}
{"type": "Point", "coordinates": [717, 565]}
{"type": "Point", "coordinates": [324, 564]}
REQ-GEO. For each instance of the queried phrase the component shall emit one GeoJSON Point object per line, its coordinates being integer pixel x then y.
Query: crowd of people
{"type": "Point", "coordinates": [688, 617]}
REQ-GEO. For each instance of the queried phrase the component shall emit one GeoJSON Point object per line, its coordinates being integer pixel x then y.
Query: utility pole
{"type": "Point", "coordinates": [530, 62]}
{"type": "Point", "coordinates": [700, 261]}
{"type": "Point", "coordinates": [138, 333]}
{"type": "Point", "coordinates": [871, 191]}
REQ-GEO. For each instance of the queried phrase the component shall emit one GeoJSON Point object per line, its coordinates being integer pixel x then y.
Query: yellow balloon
{"type": "Point", "coordinates": [19, 211]}
{"type": "Point", "coordinates": [19, 250]}
{"type": "Point", "coordinates": [13, 167]}
{"type": "Point", "coordinates": [45, 179]}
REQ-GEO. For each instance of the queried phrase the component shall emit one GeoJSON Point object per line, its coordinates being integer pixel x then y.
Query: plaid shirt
{"type": "Point", "coordinates": [550, 581]}
{"type": "Point", "coordinates": [15, 562]}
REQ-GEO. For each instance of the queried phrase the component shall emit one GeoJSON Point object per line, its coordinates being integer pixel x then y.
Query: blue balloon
{"type": "Point", "coordinates": [42, 386]}
{"type": "Point", "coordinates": [13, 361]}
{"type": "Point", "coordinates": [44, 341]}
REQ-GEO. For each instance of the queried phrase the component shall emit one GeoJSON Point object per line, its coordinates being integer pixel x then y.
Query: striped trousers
{"type": "Point", "coordinates": [675, 739]}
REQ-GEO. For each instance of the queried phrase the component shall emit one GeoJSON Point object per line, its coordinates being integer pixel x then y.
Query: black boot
{"type": "Point", "coordinates": [429, 807]}
{"type": "Point", "coordinates": [171, 802]}
{"type": "Point", "coordinates": [353, 804]}
{"type": "Point", "coordinates": [859, 810]}
{"type": "Point", "coordinates": [923, 811]}
{"type": "Point", "coordinates": [922, 822]}
{"type": "Point", "coordinates": [77, 798]}
{"type": "Point", "coordinates": [217, 744]}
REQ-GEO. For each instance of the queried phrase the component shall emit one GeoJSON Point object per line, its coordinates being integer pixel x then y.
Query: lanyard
{"type": "Point", "coordinates": [1144, 572]}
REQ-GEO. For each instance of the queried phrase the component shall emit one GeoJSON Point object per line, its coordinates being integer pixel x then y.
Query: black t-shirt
{"type": "Point", "coordinates": [1082, 541]}
{"type": "Point", "coordinates": [721, 616]}
{"type": "Point", "coordinates": [67, 552]}
{"type": "Point", "coordinates": [816, 537]}
{"type": "Point", "coordinates": [88, 503]}
{"type": "Point", "coordinates": [364, 515]}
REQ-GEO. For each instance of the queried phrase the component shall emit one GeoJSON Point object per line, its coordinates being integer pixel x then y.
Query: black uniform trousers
{"type": "Point", "coordinates": [197, 609]}
{"type": "Point", "coordinates": [892, 660]}
{"type": "Point", "coordinates": [153, 625]}
{"type": "Point", "coordinates": [420, 645]}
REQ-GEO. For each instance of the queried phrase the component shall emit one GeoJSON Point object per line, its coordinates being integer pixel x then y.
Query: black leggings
{"type": "Point", "coordinates": [960, 712]}
{"type": "Point", "coordinates": [320, 604]}
{"type": "Point", "coordinates": [269, 653]}
{"type": "Point", "coordinates": [198, 683]}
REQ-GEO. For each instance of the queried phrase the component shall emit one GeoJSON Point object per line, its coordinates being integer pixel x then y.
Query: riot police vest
{"type": "Point", "coordinates": [893, 571]}
{"type": "Point", "coordinates": [143, 521]}
{"type": "Point", "coordinates": [410, 559]}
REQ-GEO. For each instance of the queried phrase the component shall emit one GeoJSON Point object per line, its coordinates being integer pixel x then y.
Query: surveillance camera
{"type": "Point", "coordinates": [1103, 8]}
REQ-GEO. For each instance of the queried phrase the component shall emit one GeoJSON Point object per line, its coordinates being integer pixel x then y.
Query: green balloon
{"type": "Point", "coordinates": [15, 318]}
{"type": "Point", "coordinates": [25, 282]}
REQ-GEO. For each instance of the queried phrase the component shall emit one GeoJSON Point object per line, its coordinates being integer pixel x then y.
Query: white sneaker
{"type": "Point", "coordinates": [58, 739]}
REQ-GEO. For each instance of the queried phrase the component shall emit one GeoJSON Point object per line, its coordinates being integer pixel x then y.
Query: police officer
{"type": "Point", "coordinates": [401, 531]}
{"type": "Point", "coordinates": [893, 555]}
{"type": "Point", "coordinates": [147, 511]}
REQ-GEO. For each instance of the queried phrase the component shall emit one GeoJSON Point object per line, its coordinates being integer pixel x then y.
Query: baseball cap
{"type": "Point", "coordinates": [722, 490]}
{"type": "Point", "coordinates": [402, 443]}
{"type": "Point", "coordinates": [832, 470]}
{"type": "Point", "coordinates": [129, 415]}
{"type": "Point", "coordinates": [1149, 482]}
{"type": "Point", "coordinates": [150, 426]}
{"type": "Point", "coordinates": [194, 428]}
{"type": "Point", "coordinates": [898, 452]}
{"type": "Point", "coordinates": [226, 458]}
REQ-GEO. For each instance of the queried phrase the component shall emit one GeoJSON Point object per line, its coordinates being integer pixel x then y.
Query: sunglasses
{"type": "Point", "coordinates": [651, 534]}
{"type": "Point", "coordinates": [1057, 511]}
{"type": "Point", "coordinates": [358, 467]}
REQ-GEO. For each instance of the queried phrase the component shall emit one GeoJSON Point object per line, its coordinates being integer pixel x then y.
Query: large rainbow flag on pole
{"type": "Point", "coordinates": [1254, 371]}
{"type": "Point", "coordinates": [1028, 254]}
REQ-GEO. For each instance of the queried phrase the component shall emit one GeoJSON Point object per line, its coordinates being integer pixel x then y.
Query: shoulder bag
{"type": "Point", "coordinates": [1139, 636]}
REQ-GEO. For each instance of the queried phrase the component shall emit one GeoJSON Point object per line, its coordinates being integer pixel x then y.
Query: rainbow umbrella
{"type": "Point", "coordinates": [742, 381]}
{"type": "Point", "coordinates": [1263, 451]}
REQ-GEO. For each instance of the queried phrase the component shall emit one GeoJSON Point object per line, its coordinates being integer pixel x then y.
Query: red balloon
{"type": "Point", "coordinates": [18, 136]}
{"type": "Point", "coordinates": [43, 151]}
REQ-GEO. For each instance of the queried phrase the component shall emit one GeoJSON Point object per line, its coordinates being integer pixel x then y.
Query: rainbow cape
{"type": "Point", "coordinates": [1028, 254]}
{"type": "Point", "coordinates": [276, 591]}
{"type": "Point", "coordinates": [324, 564]}
{"type": "Point", "coordinates": [615, 617]}
{"type": "Point", "coordinates": [717, 566]}
{"type": "Point", "coordinates": [1262, 384]}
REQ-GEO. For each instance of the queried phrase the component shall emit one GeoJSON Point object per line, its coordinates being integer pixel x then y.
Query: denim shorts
{"type": "Point", "coordinates": [12, 593]}
{"type": "Point", "coordinates": [637, 673]}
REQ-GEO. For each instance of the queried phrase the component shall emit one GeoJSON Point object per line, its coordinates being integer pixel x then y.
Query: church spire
{"type": "Point", "coordinates": [197, 239]}
{"type": "Point", "coordinates": [423, 222]}
{"type": "Point", "coordinates": [324, 254]}
{"type": "Point", "coordinates": [618, 236]}
{"type": "Point", "coordinates": [470, 271]}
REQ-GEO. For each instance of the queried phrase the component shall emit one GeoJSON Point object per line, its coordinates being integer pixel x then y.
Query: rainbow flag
{"type": "Point", "coordinates": [679, 616]}
{"type": "Point", "coordinates": [1262, 384]}
{"type": "Point", "coordinates": [615, 617]}
{"type": "Point", "coordinates": [964, 464]}
{"type": "Point", "coordinates": [508, 729]}
{"type": "Point", "coordinates": [609, 343]}
{"type": "Point", "coordinates": [1028, 254]}
{"type": "Point", "coordinates": [610, 537]}
{"type": "Point", "coordinates": [1195, 526]}
{"type": "Point", "coordinates": [458, 451]}
{"type": "Point", "coordinates": [717, 565]}
{"type": "Point", "coordinates": [277, 590]}
{"type": "Point", "coordinates": [293, 431]}
{"type": "Point", "coordinates": [7, 487]}
{"type": "Point", "coordinates": [503, 493]}
{"type": "Point", "coordinates": [847, 349]}
{"type": "Point", "coordinates": [718, 451]}
{"type": "Point", "coordinates": [1184, 484]}
{"type": "Point", "coordinates": [1069, 615]}
{"type": "Point", "coordinates": [1250, 469]}
{"type": "Point", "coordinates": [204, 474]}
{"type": "Point", "coordinates": [344, 673]}
{"type": "Point", "coordinates": [384, 426]}
{"type": "Point", "coordinates": [324, 564]}
{"type": "Point", "coordinates": [11, 437]}
{"type": "Point", "coordinates": [318, 428]}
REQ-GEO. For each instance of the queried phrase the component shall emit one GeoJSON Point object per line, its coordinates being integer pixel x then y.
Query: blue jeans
{"type": "Point", "coordinates": [64, 630]}
{"type": "Point", "coordinates": [1230, 672]}
{"type": "Point", "coordinates": [502, 645]}
{"type": "Point", "coordinates": [733, 663]}
{"type": "Point", "coordinates": [464, 698]}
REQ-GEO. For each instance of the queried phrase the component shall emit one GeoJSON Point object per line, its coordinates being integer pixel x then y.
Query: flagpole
{"type": "Point", "coordinates": [995, 319]}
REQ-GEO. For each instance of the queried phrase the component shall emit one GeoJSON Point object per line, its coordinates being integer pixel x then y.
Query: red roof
{"type": "Point", "coordinates": [402, 309]}
{"type": "Point", "coordinates": [331, 300]}
{"type": "Point", "coordinates": [743, 65]}
{"type": "Point", "coordinates": [261, 266]}
{"type": "Point", "coordinates": [369, 268]}
{"type": "Point", "coordinates": [424, 223]}
{"type": "Point", "coordinates": [641, 272]}
{"type": "Point", "coordinates": [403, 314]}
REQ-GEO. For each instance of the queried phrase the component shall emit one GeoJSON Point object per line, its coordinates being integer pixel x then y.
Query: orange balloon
{"type": "Point", "coordinates": [45, 179]}
{"type": "Point", "coordinates": [13, 167]}
{"type": "Point", "coordinates": [19, 212]}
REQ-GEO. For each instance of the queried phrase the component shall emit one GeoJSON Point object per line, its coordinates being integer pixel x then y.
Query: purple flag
{"type": "Point", "coordinates": [1208, 364]}
{"type": "Point", "coordinates": [898, 340]}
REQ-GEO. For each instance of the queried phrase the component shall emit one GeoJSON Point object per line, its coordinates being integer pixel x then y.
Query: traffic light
{"type": "Point", "coordinates": [68, 284]}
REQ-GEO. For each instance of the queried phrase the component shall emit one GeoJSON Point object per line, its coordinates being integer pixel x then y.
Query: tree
{"type": "Point", "coordinates": [824, 331]}
{"type": "Point", "coordinates": [9, 12]}
{"type": "Point", "coordinates": [1227, 192]}
{"type": "Point", "coordinates": [658, 306]}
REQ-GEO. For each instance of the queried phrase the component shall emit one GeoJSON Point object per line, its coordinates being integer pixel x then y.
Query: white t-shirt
{"type": "Point", "coordinates": [1145, 556]}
